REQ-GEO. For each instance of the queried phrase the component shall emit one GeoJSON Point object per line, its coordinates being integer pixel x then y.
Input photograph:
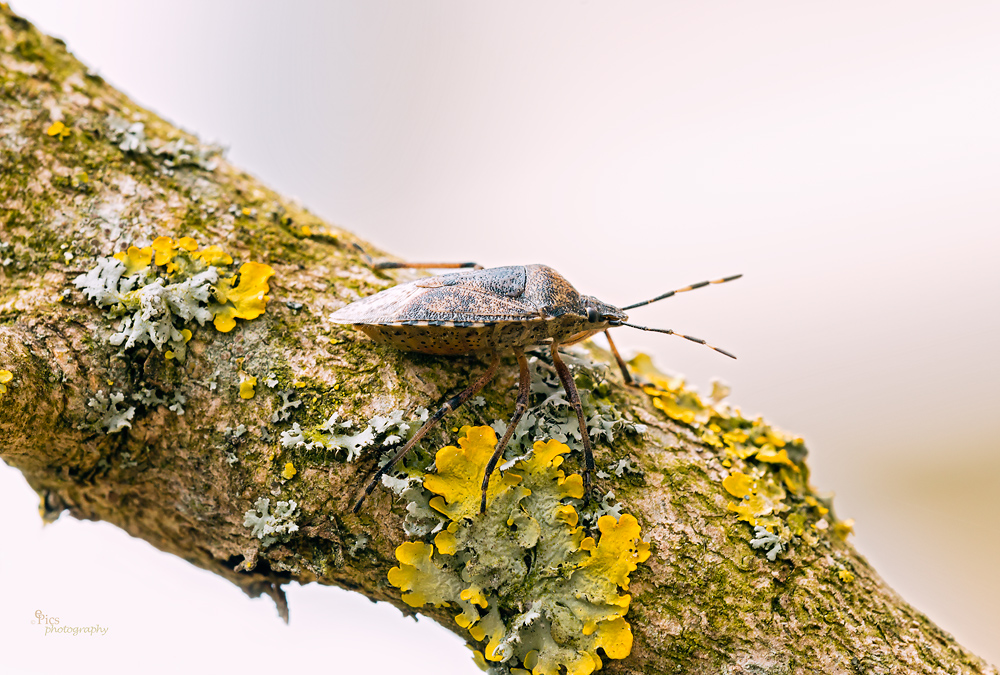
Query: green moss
{"type": "Point", "coordinates": [34, 47]}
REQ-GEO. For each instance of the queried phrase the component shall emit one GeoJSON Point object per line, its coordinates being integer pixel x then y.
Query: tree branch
{"type": "Point", "coordinates": [82, 179]}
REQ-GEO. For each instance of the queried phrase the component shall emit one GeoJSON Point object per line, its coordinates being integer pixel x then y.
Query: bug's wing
{"type": "Point", "coordinates": [451, 299]}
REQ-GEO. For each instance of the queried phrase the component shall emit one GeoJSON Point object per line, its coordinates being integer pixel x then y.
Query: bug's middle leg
{"type": "Point", "coordinates": [574, 399]}
{"type": "Point", "coordinates": [523, 393]}
{"type": "Point", "coordinates": [454, 403]}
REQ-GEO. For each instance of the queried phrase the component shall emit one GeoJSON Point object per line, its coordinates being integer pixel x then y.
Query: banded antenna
{"type": "Point", "coordinates": [700, 284]}
{"type": "Point", "coordinates": [686, 337]}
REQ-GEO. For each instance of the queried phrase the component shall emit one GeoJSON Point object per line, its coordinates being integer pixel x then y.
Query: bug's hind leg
{"type": "Point", "coordinates": [389, 265]}
{"type": "Point", "coordinates": [454, 403]}
{"type": "Point", "coordinates": [626, 375]}
{"type": "Point", "coordinates": [522, 404]}
{"type": "Point", "coordinates": [574, 399]}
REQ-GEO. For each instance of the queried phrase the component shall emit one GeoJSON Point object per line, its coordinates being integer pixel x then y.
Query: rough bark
{"type": "Point", "coordinates": [704, 602]}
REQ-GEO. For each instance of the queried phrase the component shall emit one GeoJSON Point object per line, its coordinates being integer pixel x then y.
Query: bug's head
{"type": "Point", "coordinates": [601, 312]}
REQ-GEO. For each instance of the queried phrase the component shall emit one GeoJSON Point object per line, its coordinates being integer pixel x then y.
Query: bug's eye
{"type": "Point", "coordinates": [593, 316]}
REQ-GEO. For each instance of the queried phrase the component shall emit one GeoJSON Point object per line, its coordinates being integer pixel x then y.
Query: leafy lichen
{"type": "Point", "coordinates": [552, 417]}
{"type": "Point", "coordinates": [106, 414]}
{"type": "Point", "coordinates": [270, 527]}
{"type": "Point", "coordinates": [768, 475]}
{"type": "Point", "coordinates": [530, 583]}
{"type": "Point", "coordinates": [247, 384]}
{"type": "Point", "coordinates": [159, 288]}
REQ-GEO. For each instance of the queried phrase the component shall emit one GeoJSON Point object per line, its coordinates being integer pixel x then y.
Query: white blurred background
{"type": "Point", "coordinates": [845, 158]}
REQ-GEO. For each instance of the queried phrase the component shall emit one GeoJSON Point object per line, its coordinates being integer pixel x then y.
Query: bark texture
{"type": "Point", "coordinates": [705, 602]}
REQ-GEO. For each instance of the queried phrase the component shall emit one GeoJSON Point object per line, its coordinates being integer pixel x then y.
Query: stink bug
{"type": "Point", "coordinates": [493, 310]}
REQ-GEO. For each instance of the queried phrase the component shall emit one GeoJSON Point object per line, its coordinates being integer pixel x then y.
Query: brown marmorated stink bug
{"type": "Point", "coordinates": [493, 310]}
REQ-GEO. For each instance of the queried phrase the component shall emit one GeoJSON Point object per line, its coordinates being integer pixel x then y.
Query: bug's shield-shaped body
{"type": "Point", "coordinates": [492, 309]}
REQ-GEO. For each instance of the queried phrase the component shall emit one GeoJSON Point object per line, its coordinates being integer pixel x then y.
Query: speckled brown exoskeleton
{"type": "Point", "coordinates": [495, 311]}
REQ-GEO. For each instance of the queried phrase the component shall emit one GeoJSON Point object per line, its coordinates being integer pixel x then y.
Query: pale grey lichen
{"type": "Point", "coordinates": [379, 424]}
{"type": "Point", "coordinates": [623, 466]}
{"type": "Point", "coordinates": [178, 404]}
{"type": "Point", "coordinates": [106, 413]}
{"type": "Point", "coordinates": [331, 436]}
{"type": "Point", "coordinates": [179, 152]}
{"type": "Point", "coordinates": [554, 418]}
{"type": "Point", "coordinates": [516, 633]}
{"type": "Point", "coordinates": [148, 398]}
{"type": "Point", "coordinates": [420, 519]}
{"type": "Point", "coordinates": [764, 539]}
{"type": "Point", "coordinates": [150, 305]}
{"type": "Point", "coordinates": [604, 508]}
{"type": "Point", "coordinates": [103, 284]}
{"type": "Point", "coordinates": [270, 527]}
{"type": "Point", "coordinates": [359, 544]}
{"type": "Point", "coordinates": [287, 405]}
{"type": "Point", "coordinates": [293, 437]}
{"type": "Point", "coordinates": [354, 444]}
{"type": "Point", "coordinates": [129, 137]}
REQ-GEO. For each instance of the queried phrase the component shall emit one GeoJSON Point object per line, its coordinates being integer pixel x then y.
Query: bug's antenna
{"type": "Point", "coordinates": [686, 337]}
{"type": "Point", "coordinates": [700, 284]}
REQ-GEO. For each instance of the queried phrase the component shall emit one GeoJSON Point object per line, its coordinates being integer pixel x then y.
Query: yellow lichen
{"type": "Point", "coordinates": [289, 471]}
{"type": "Point", "coordinates": [458, 481]}
{"type": "Point", "coordinates": [477, 561]}
{"type": "Point", "coordinates": [738, 484]}
{"type": "Point", "coordinates": [846, 576]}
{"type": "Point", "coordinates": [135, 259]}
{"type": "Point", "coordinates": [247, 300]}
{"type": "Point", "coordinates": [58, 129]}
{"type": "Point", "coordinates": [212, 255]}
{"type": "Point", "coordinates": [813, 502]}
{"type": "Point", "coordinates": [479, 660]}
{"type": "Point", "coordinates": [619, 551]}
{"type": "Point", "coordinates": [767, 474]}
{"type": "Point", "coordinates": [768, 453]}
{"type": "Point", "coordinates": [445, 542]}
{"type": "Point", "coordinates": [247, 385]}
{"type": "Point", "coordinates": [163, 248]}
{"type": "Point", "coordinates": [185, 284]}
{"type": "Point", "coordinates": [843, 528]}
{"type": "Point", "coordinates": [5, 377]}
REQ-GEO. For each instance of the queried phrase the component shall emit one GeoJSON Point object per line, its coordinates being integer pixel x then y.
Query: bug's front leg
{"type": "Point", "coordinates": [523, 393]}
{"type": "Point", "coordinates": [626, 375]}
{"type": "Point", "coordinates": [574, 399]}
{"type": "Point", "coordinates": [454, 403]}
